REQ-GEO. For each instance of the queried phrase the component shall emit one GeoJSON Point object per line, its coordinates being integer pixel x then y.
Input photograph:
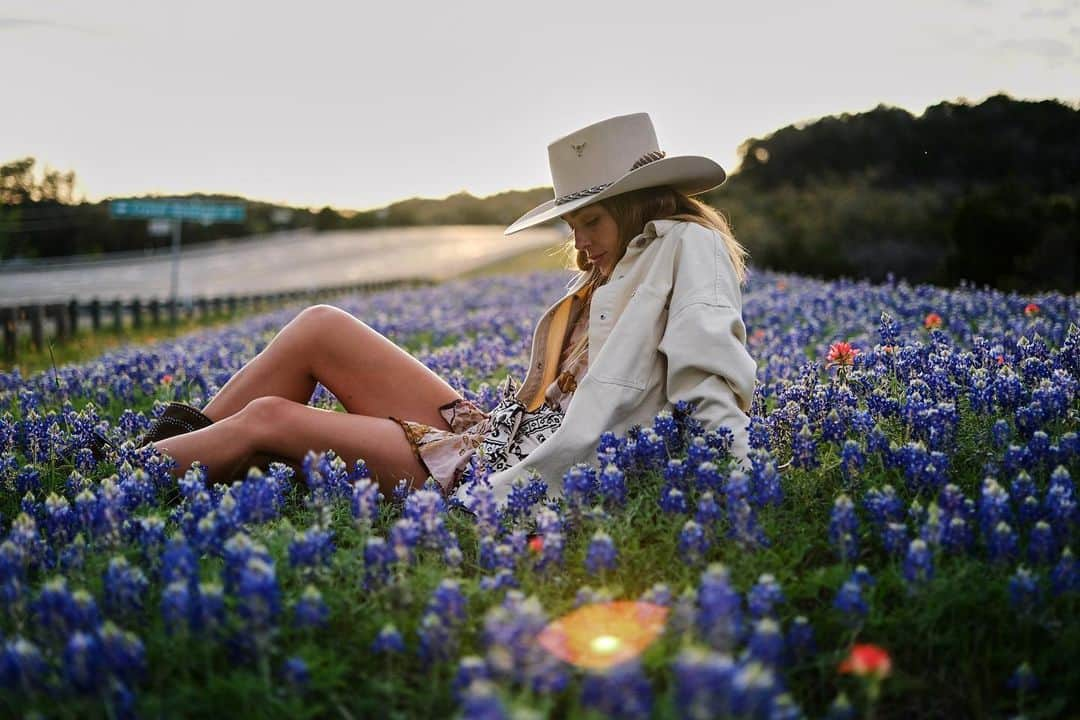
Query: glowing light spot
{"type": "Point", "coordinates": [604, 644]}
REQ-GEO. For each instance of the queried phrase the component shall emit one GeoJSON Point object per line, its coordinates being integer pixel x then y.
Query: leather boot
{"type": "Point", "coordinates": [177, 419]}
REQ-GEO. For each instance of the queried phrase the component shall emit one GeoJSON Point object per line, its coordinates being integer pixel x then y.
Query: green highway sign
{"type": "Point", "coordinates": [198, 210]}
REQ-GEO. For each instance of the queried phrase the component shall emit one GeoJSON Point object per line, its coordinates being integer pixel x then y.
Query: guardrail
{"type": "Point", "coordinates": [64, 319]}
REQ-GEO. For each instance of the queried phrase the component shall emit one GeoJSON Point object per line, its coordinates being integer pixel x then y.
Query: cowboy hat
{"type": "Point", "coordinates": [614, 156]}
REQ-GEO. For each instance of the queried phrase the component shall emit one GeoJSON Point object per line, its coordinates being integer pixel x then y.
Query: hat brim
{"type": "Point", "coordinates": [692, 174]}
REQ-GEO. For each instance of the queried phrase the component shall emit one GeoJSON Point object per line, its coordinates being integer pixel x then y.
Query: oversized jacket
{"type": "Point", "coordinates": [667, 326]}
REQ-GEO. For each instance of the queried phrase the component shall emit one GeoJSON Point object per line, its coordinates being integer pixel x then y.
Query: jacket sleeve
{"type": "Point", "coordinates": [705, 338]}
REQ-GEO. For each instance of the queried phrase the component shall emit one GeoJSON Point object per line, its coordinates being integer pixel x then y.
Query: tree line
{"type": "Point", "coordinates": [988, 193]}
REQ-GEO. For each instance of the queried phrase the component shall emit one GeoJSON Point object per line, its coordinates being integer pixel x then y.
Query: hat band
{"type": "Point", "coordinates": [643, 160]}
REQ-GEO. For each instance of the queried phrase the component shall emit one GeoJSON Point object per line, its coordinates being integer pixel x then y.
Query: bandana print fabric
{"type": "Point", "coordinates": [504, 435]}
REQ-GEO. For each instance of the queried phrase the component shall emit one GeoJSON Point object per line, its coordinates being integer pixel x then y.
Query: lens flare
{"type": "Point", "coordinates": [600, 635]}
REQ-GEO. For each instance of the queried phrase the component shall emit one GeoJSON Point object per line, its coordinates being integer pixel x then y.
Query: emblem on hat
{"type": "Point", "coordinates": [578, 148]}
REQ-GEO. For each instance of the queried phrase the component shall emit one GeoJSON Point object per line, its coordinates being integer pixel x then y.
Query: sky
{"type": "Point", "coordinates": [358, 104]}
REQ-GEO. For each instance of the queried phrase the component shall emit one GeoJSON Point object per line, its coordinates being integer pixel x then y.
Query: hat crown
{"type": "Point", "coordinates": [601, 153]}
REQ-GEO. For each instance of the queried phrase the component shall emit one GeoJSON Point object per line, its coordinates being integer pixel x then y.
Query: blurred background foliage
{"type": "Point", "coordinates": [987, 193]}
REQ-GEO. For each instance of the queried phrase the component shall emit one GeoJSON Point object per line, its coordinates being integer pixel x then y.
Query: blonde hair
{"type": "Point", "coordinates": [631, 211]}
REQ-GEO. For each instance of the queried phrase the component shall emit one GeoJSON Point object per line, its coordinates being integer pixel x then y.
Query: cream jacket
{"type": "Point", "coordinates": [666, 327]}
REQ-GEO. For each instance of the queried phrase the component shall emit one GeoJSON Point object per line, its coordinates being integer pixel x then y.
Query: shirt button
{"type": "Point", "coordinates": [603, 316]}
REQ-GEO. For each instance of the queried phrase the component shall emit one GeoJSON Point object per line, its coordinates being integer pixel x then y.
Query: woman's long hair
{"type": "Point", "coordinates": [631, 211]}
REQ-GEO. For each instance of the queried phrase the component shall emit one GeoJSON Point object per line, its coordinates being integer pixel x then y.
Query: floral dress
{"type": "Point", "coordinates": [510, 431]}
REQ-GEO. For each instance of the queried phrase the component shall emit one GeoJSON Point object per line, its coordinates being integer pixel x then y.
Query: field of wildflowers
{"type": "Point", "coordinates": [903, 545]}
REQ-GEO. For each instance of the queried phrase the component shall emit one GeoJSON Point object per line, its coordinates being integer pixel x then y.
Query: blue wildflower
{"type": "Point", "coordinates": [800, 639]}
{"type": "Point", "coordinates": [844, 528]}
{"type": "Point", "coordinates": [311, 610]}
{"type": "Point", "coordinates": [1065, 577]}
{"type": "Point", "coordinates": [388, 640]}
{"type": "Point", "coordinates": [1023, 590]}
{"type": "Point", "coordinates": [613, 485]}
{"type": "Point", "coordinates": [720, 614]}
{"type": "Point", "coordinates": [601, 554]}
{"type": "Point", "coordinates": [622, 691]}
{"type": "Point", "coordinates": [693, 543]}
{"type": "Point", "coordinates": [918, 563]}
{"type": "Point", "coordinates": [764, 596]}
{"type": "Point", "coordinates": [295, 673]}
{"type": "Point", "coordinates": [1002, 543]}
{"type": "Point", "coordinates": [849, 601]}
{"type": "Point", "coordinates": [672, 500]}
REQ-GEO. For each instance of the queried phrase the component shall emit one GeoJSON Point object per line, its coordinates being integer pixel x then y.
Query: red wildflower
{"type": "Point", "coordinates": [867, 659]}
{"type": "Point", "coordinates": [933, 320]}
{"type": "Point", "coordinates": [841, 353]}
{"type": "Point", "coordinates": [166, 379]}
{"type": "Point", "coordinates": [536, 544]}
{"type": "Point", "coordinates": [1031, 309]}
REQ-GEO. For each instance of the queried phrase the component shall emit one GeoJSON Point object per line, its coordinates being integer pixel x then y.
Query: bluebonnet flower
{"type": "Point", "coordinates": [503, 578]}
{"type": "Point", "coordinates": [1023, 678]}
{"type": "Point", "coordinates": [672, 500]}
{"type": "Point", "coordinates": [388, 640]}
{"type": "Point", "coordinates": [1002, 543]}
{"type": "Point", "coordinates": [755, 689]}
{"type": "Point", "coordinates": [800, 639]}
{"type": "Point", "coordinates": [844, 528]}
{"type": "Point", "coordinates": [470, 669]}
{"type": "Point", "coordinates": [957, 537]}
{"type": "Point", "coordinates": [258, 596]}
{"type": "Point", "coordinates": [698, 451]}
{"type": "Point", "coordinates": [613, 485]}
{"type": "Point", "coordinates": [378, 556]}
{"type": "Point", "coordinates": [852, 460]}
{"type": "Point", "coordinates": [404, 538]}
{"type": "Point", "coordinates": [764, 596]}
{"type": "Point", "coordinates": [123, 652]}
{"type": "Point", "coordinates": [83, 669]}
{"type": "Point", "coordinates": [918, 563]}
{"type": "Point", "coordinates": [622, 691]}
{"type": "Point", "coordinates": [22, 665]}
{"type": "Point", "coordinates": [511, 651]}
{"type": "Point", "coordinates": [702, 683]}
{"type": "Point", "coordinates": [758, 434]}
{"type": "Point", "coordinates": [125, 587]}
{"type": "Point", "coordinates": [177, 606]}
{"type": "Point", "coordinates": [438, 638]}
{"type": "Point", "coordinates": [312, 547]}
{"type": "Point", "coordinates": [707, 476]}
{"type": "Point", "coordinates": [580, 485]}
{"type": "Point", "coordinates": [1001, 432]}
{"type": "Point", "coordinates": [1023, 590]}
{"type": "Point", "coordinates": [295, 673]}
{"type": "Point", "coordinates": [883, 505]}
{"type": "Point", "coordinates": [1042, 546]}
{"type": "Point", "coordinates": [895, 538]}
{"type": "Point", "coordinates": [849, 599]}
{"type": "Point", "coordinates": [366, 500]}
{"type": "Point", "coordinates": [480, 701]}
{"type": "Point", "coordinates": [311, 610]}
{"type": "Point", "coordinates": [448, 602]}
{"type": "Point", "coordinates": [804, 449]}
{"type": "Point", "coordinates": [601, 554]}
{"type": "Point", "coordinates": [708, 510]}
{"type": "Point", "coordinates": [1065, 577]}
{"type": "Point", "coordinates": [667, 427]}
{"type": "Point", "coordinates": [766, 642]}
{"type": "Point", "coordinates": [765, 481]}
{"type": "Point", "coordinates": [178, 561]}
{"type": "Point", "coordinates": [210, 611]}
{"type": "Point", "coordinates": [719, 618]}
{"type": "Point", "coordinates": [693, 543]}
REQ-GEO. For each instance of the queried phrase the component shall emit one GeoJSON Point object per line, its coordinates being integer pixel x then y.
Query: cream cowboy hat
{"type": "Point", "coordinates": [614, 156]}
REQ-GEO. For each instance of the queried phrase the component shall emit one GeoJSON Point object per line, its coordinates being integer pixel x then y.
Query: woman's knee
{"type": "Point", "coordinates": [322, 317]}
{"type": "Point", "coordinates": [264, 417]}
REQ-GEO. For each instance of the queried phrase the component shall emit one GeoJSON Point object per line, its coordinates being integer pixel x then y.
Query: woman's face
{"type": "Point", "coordinates": [596, 233]}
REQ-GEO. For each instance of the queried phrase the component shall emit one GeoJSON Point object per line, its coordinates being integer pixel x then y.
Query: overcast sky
{"type": "Point", "coordinates": [357, 104]}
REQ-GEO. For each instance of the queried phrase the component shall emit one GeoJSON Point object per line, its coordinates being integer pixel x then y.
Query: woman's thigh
{"type": "Point", "coordinates": [280, 426]}
{"type": "Point", "coordinates": [368, 373]}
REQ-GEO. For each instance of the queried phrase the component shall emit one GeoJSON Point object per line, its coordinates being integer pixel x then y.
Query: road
{"type": "Point", "coordinates": [282, 261]}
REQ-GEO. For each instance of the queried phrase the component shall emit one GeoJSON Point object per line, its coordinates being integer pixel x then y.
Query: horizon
{"type": "Point", "coordinates": [327, 107]}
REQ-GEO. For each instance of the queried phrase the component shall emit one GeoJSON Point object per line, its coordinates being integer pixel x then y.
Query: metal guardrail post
{"type": "Point", "coordinates": [37, 326]}
{"type": "Point", "coordinates": [136, 313]}
{"type": "Point", "coordinates": [155, 311]}
{"type": "Point", "coordinates": [95, 314]}
{"type": "Point", "coordinates": [73, 315]}
{"type": "Point", "coordinates": [117, 314]}
{"type": "Point", "coordinates": [7, 317]}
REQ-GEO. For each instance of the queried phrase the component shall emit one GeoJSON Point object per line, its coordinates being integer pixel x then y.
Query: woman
{"type": "Point", "coordinates": [653, 318]}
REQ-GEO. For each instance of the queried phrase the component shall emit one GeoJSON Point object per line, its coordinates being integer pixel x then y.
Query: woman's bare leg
{"type": "Point", "coordinates": [368, 373]}
{"type": "Point", "coordinates": [285, 427]}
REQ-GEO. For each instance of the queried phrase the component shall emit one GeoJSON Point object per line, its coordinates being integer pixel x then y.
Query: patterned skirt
{"type": "Point", "coordinates": [501, 437]}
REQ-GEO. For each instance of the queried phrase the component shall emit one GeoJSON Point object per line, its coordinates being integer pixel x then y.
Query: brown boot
{"type": "Point", "coordinates": [177, 419]}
